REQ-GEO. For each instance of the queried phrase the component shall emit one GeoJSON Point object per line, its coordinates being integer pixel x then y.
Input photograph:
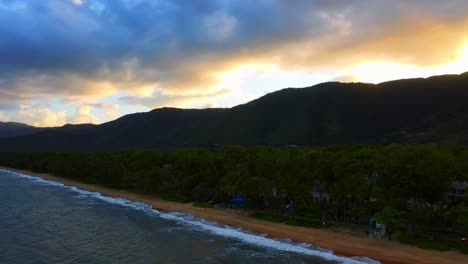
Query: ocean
{"type": "Point", "coordinates": [47, 222]}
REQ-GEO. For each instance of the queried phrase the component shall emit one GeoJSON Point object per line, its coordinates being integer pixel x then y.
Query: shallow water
{"type": "Point", "coordinates": [46, 222]}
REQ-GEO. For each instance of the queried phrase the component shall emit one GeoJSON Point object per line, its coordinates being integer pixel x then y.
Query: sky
{"type": "Point", "coordinates": [91, 61]}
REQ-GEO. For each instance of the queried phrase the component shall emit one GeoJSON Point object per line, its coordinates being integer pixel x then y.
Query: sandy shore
{"type": "Point", "coordinates": [341, 243]}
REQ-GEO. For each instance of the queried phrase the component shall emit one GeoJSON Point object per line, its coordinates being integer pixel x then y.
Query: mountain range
{"type": "Point", "coordinates": [420, 110]}
{"type": "Point", "coordinates": [12, 129]}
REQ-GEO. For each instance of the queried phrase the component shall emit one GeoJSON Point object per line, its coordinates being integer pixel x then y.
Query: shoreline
{"type": "Point", "coordinates": [346, 244]}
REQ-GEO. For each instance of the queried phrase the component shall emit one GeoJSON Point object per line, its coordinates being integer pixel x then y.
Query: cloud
{"type": "Point", "coordinates": [160, 99]}
{"type": "Point", "coordinates": [8, 106]}
{"type": "Point", "coordinates": [111, 115]}
{"type": "Point", "coordinates": [77, 2]}
{"type": "Point", "coordinates": [165, 52]}
{"type": "Point", "coordinates": [40, 116]}
{"type": "Point", "coordinates": [105, 105]}
{"type": "Point", "coordinates": [219, 26]}
{"type": "Point", "coordinates": [83, 115]}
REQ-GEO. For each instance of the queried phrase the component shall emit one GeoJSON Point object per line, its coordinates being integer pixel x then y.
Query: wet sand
{"type": "Point", "coordinates": [342, 243]}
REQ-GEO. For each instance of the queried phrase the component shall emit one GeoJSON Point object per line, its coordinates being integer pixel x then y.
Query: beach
{"type": "Point", "coordinates": [342, 243]}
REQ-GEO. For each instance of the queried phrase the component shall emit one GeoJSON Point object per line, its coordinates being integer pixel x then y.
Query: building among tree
{"type": "Point", "coordinates": [319, 193]}
{"type": "Point", "coordinates": [456, 191]}
{"type": "Point", "coordinates": [377, 229]}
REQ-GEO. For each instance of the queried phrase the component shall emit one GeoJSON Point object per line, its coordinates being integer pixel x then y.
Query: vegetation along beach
{"type": "Point", "coordinates": [211, 177]}
{"type": "Point", "coordinates": [227, 131]}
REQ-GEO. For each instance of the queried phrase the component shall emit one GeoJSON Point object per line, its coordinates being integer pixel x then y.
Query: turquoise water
{"type": "Point", "coordinates": [46, 222]}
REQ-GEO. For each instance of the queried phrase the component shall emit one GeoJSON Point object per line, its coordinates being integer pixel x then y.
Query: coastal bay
{"type": "Point", "coordinates": [342, 243]}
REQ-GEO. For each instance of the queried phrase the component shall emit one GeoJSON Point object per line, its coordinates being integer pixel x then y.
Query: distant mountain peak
{"type": "Point", "coordinates": [12, 129]}
{"type": "Point", "coordinates": [411, 110]}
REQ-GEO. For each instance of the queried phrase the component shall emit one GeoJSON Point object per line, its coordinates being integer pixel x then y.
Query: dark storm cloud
{"type": "Point", "coordinates": [60, 36]}
{"type": "Point", "coordinates": [63, 47]}
{"type": "Point", "coordinates": [161, 41]}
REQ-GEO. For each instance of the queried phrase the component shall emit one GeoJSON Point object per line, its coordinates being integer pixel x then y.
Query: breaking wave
{"type": "Point", "coordinates": [208, 226]}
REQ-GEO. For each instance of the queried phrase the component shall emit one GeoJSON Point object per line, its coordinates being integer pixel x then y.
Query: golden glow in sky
{"type": "Point", "coordinates": [75, 61]}
{"type": "Point", "coordinates": [376, 72]}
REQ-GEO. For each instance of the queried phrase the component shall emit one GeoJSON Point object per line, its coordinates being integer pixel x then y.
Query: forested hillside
{"type": "Point", "coordinates": [411, 111]}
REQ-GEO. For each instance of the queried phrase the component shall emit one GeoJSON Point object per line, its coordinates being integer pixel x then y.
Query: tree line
{"type": "Point", "coordinates": [358, 180]}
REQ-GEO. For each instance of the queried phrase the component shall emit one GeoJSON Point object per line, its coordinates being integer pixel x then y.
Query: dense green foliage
{"type": "Point", "coordinates": [391, 218]}
{"type": "Point", "coordinates": [414, 111]}
{"type": "Point", "coordinates": [386, 181]}
{"type": "Point", "coordinates": [430, 242]}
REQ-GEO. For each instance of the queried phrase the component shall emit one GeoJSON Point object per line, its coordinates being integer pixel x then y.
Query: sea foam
{"type": "Point", "coordinates": [214, 228]}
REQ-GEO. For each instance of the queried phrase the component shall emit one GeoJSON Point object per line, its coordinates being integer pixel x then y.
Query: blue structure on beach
{"type": "Point", "coordinates": [238, 202]}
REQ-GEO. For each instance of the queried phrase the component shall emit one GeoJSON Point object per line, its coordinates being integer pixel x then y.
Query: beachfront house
{"type": "Point", "coordinates": [377, 229]}
{"type": "Point", "coordinates": [456, 191]}
{"type": "Point", "coordinates": [319, 193]}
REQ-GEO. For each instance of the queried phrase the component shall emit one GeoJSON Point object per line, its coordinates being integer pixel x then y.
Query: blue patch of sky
{"type": "Point", "coordinates": [12, 5]}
